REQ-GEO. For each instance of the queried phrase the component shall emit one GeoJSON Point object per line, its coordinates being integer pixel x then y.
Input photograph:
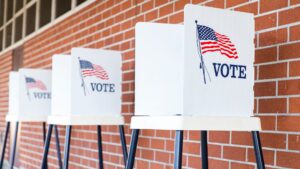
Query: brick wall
{"type": "Point", "coordinates": [110, 24]}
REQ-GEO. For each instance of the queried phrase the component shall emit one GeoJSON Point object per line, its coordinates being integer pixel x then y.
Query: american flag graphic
{"type": "Point", "coordinates": [90, 69]}
{"type": "Point", "coordinates": [32, 83]}
{"type": "Point", "coordinates": [212, 41]}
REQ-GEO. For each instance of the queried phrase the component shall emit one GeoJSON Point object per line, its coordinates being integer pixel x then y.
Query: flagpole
{"type": "Point", "coordinates": [28, 94]}
{"type": "Point", "coordinates": [82, 80]}
{"type": "Point", "coordinates": [202, 66]}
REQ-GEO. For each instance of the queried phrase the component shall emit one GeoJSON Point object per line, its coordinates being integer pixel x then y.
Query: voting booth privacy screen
{"type": "Point", "coordinates": [87, 82]}
{"type": "Point", "coordinates": [204, 67]}
{"type": "Point", "coordinates": [29, 95]}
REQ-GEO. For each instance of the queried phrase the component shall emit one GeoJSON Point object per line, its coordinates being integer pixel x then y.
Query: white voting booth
{"type": "Point", "coordinates": [29, 101]}
{"type": "Point", "coordinates": [29, 95]}
{"type": "Point", "coordinates": [86, 90]}
{"type": "Point", "coordinates": [195, 76]}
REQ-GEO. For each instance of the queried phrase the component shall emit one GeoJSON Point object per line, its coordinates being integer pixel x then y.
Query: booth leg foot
{"type": "Point", "coordinates": [4, 144]}
{"type": "Point", "coordinates": [59, 161]}
{"type": "Point", "coordinates": [46, 148]}
{"type": "Point", "coordinates": [178, 149]}
{"type": "Point", "coordinates": [132, 150]}
{"type": "Point", "coordinates": [123, 143]}
{"type": "Point", "coordinates": [204, 151]}
{"type": "Point", "coordinates": [258, 150]}
{"type": "Point", "coordinates": [13, 153]}
{"type": "Point", "coordinates": [67, 147]}
{"type": "Point", "coordinates": [100, 155]}
{"type": "Point", "coordinates": [44, 138]}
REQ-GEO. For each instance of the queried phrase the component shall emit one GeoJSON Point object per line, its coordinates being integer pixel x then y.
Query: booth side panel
{"type": "Point", "coordinates": [14, 100]}
{"type": "Point", "coordinates": [61, 85]}
{"type": "Point", "coordinates": [159, 69]}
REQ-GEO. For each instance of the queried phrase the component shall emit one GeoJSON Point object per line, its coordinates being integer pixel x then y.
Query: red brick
{"type": "Point", "coordinates": [147, 6]}
{"type": "Point", "coordinates": [214, 150]}
{"type": "Point", "coordinates": [268, 156]}
{"type": "Point", "coordinates": [268, 122]}
{"type": "Point", "coordinates": [250, 8]}
{"type": "Point", "coordinates": [276, 105]}
{"type": "Point", "coordinates": [273, 37]}
{"type": "Point", "coordinates": [273, 71]}
{"type": "Point", "coordinates": [165, 10]}
{"type": "Point", "coordinates": [294, 105]}
{"type": "Point", "coordinates": [197, 1]}
{"type": "Point", "coordinates": [162, 156]}
{"type": "Point", "coordinates": [216, 4]}
{"type": "Point", "coordinates": [288, 159]}
{"type": "Point", "coordinates": [156, 165]}
{"type": "Point", "coordinates": [265, 21]}
{"type": "Point", "coordinates": [289, 87]}
{"type": "Point", "coordinates": [241, 166]}
{"type": "Point", "coordinates": [266, 5]}
{"type": "Point", "coordinates": [176, 18]}
{"type": "Point", "coordinates": [295, 32]}
{"type": "Point", "coordinates": [194, 135]}
{"type": "Point", "coordinates": [272, 140]}
{"type": "Point", "coordinates": [194, 162]}
{"type": "Point", "coordinates": [294, 2]}
{"type": "Point", "coordinates": [157, 144]}
{"type": "Point", "coordinates": [266, 55]}
{"type": "Point", "coordinates": [151, 15]}
{"type": "Point", "coordinates": [294, 68]}
{"type": "Point", "coordinates": [231, 3]}
{"type": "Point", "coordinates": [179, 5]}
{"type": "Point", "coordinates": [234, 153]}
{"type": "Point", "coordinates": [218, 164]}
{"type": "Point", "coordinates": [289, 51]}
{"type": "Point", "coordinates": [288, 123]}
{"type": "Point", "coordinates": [241, 138]}
{"type": "Point", "coordinates": [191, 148]}
{"type": "Point", "coordinates": [265, 89]}
{"type": "Point", "coordinates": [289, 16]}
{"type": "Point", "coordinates": [142, 164]}
{"type": "Point", "coordinates": [219, 137]}
{"type": "Point", "coordinates": [294, 142]}
{"type": "Point", "coordinates": [160, 2]}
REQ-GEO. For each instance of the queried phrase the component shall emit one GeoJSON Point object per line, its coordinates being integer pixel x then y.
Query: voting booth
{"type": "Point", "coordinates": [87, 90]}
{"type": "Point", "coordinates": [29, 95]}
{"type": "Point", "coordinates": [29, 101]}
{"type": "Point", "coordinates": [196, 76]}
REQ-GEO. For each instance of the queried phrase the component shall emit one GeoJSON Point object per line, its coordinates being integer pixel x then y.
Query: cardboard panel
{"type": "Point", "coordinates": [158, 69]}
{"type": "Point", "coordinates": [223, 41]}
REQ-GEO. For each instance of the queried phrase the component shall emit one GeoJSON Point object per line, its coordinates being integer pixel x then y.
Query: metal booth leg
{"type": "Point", "coordinates": [46, 146]}
{"type": "Point", "coordinates": [67, 147]}
{"type": "Point", "coordinates": [13, 153]}
{"type": "Point", "coordinates": [4, 144]}
{"type": "Point", "coordinates": [123, 143]}
{"type": "Point", "coordinates": [58, 147]}
{"type": "Point", "coordinates": [204, 151]}
{"type": "Point", "coordinates": [178, 149]}
{"type": "Point", "coordinates": [258, 150]}
{"type": "Point", "coordinates": [132, 150]}
{"type": "Point", "coordinates": [44, 138]}
{"type": "Point", "coordinates": [100, 155]}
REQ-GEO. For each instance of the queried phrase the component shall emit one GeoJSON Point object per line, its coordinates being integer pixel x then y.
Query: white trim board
{"type": "Point", "coordinates": [196, 123]}
{"type": "Point", "coordinates": [85, 120]}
